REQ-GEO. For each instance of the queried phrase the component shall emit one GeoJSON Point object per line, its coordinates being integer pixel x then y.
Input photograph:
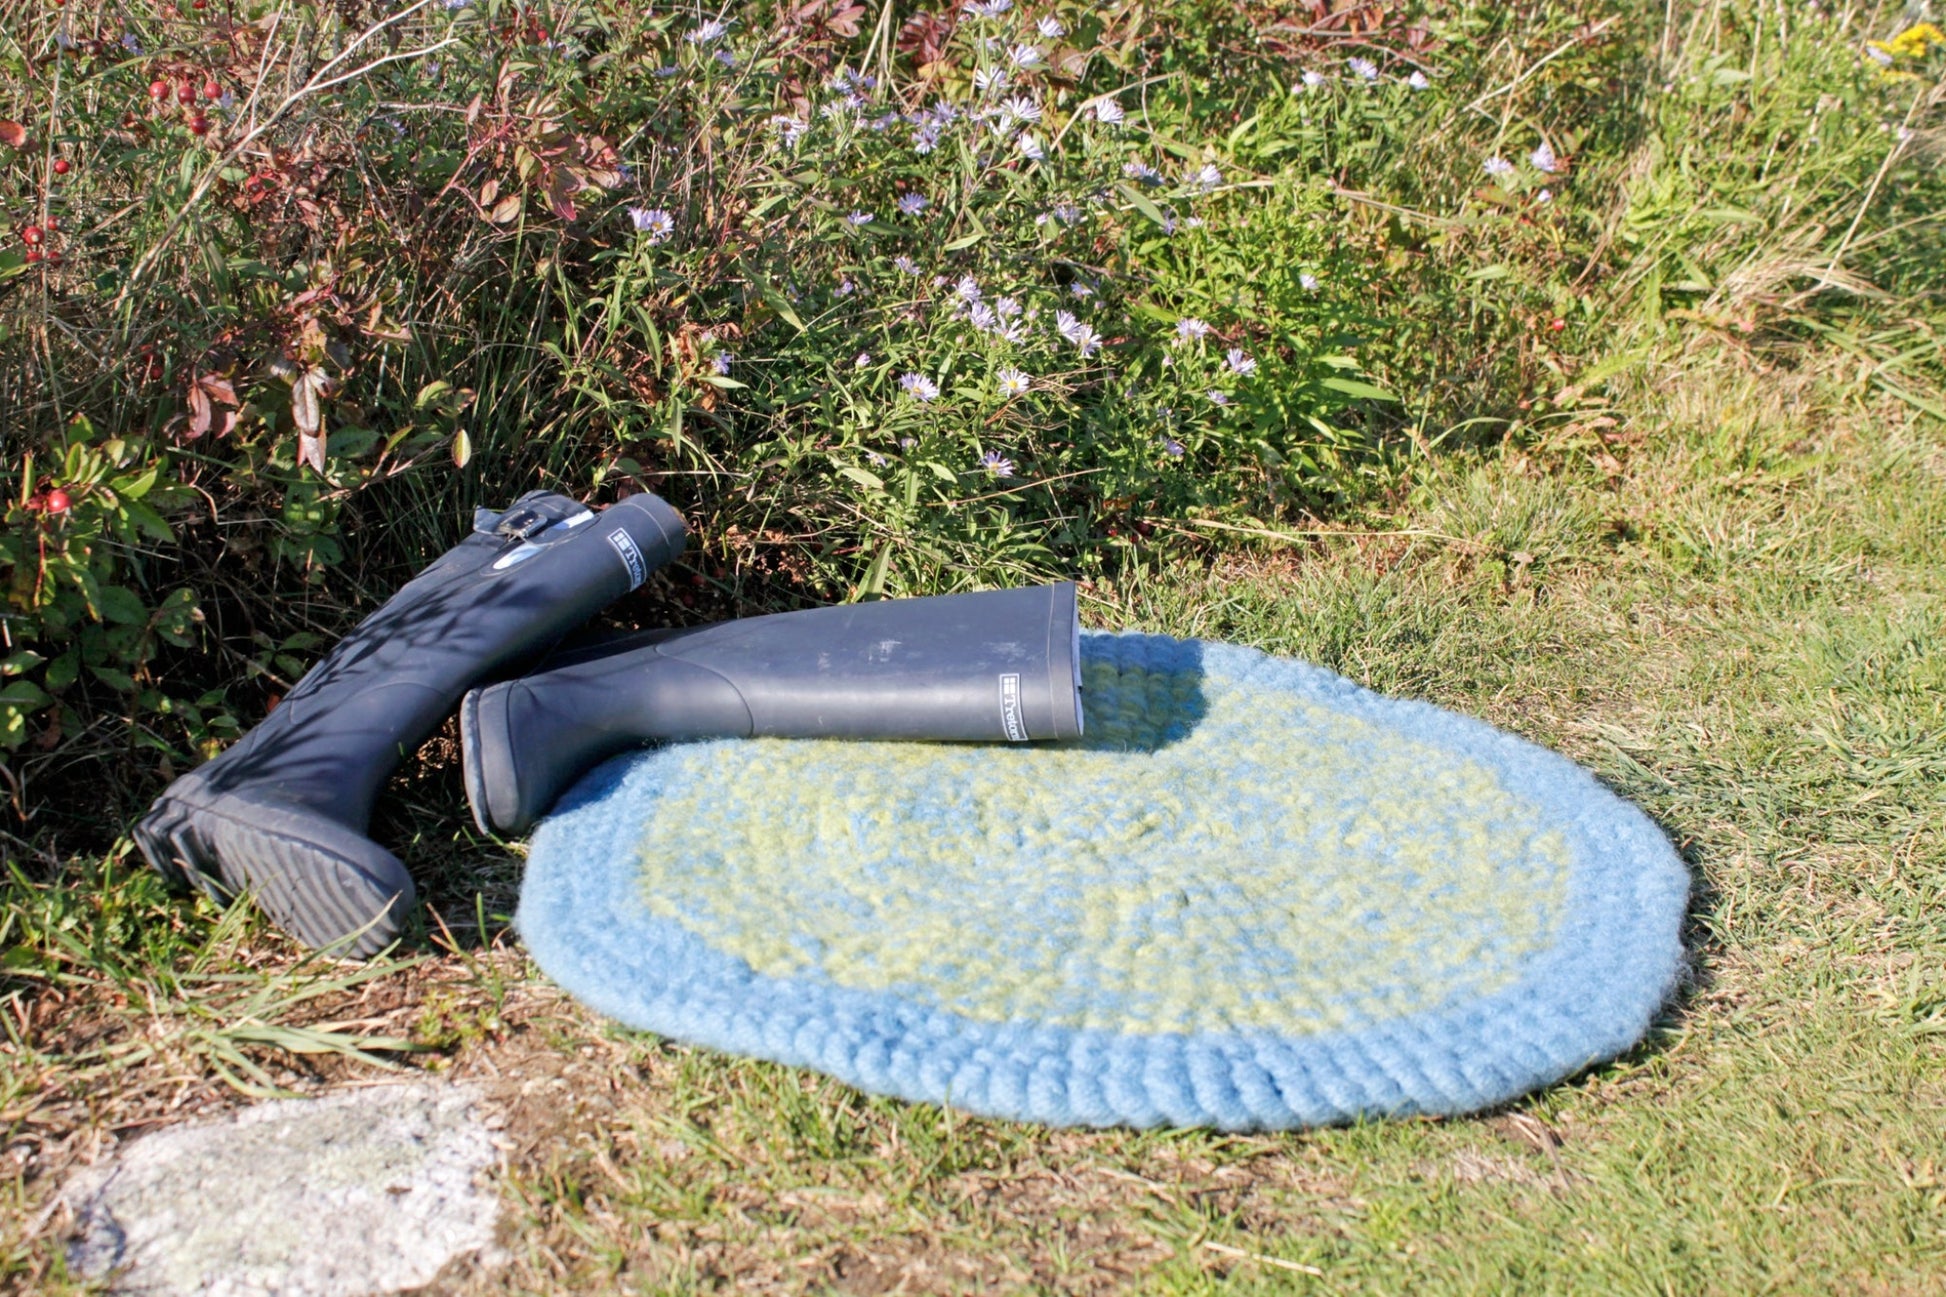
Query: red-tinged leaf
{"type": "Point", "coordinates": [13, 133]}
{"type": "Point", "coordinates": [560, 188]}
{"type": "Point", "coordinates": [310, 450]}
{"type": "Point", "coordinates": [304, 405]}
{"type": "Point", "coordinates": [199, 412]}
{"type": "Point", "coordinates": [505, 210]}
{"type": "Point", "coordinates": [218, 389]}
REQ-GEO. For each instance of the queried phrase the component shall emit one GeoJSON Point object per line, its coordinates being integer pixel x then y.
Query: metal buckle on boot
{"type": "Point", "coordinates": [524, 521]}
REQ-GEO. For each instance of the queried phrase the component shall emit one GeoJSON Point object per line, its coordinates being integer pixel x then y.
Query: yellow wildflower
{"type": "Point", "coordinates": [1913, 42]}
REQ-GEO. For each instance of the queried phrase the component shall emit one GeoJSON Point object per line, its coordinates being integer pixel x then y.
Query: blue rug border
{"type": "Point", "coordinates": [1587, 999]}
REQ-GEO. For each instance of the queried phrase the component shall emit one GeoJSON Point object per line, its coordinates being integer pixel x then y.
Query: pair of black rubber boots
{"type": "Point", "coordinates": [282, 815]}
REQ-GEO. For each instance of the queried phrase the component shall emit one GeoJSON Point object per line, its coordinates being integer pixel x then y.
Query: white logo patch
{"type": "Point", "coordinates": [624, 544]}
{"type": "Point", "coordinates": [1010, 718]}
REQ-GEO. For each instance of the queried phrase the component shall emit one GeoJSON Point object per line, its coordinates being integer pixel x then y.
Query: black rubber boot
{"type": "Point", "coordinates": [283, 813]}
{"type": "Point", "coordinates": [1000, 666]}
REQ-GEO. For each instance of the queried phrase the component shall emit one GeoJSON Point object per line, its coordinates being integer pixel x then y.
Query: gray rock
{"type": "Point", "coordinates": [363, 1191]}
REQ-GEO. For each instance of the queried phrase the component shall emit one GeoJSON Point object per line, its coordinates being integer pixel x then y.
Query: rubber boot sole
{"type": "Point", "coordinates": [326, 885]}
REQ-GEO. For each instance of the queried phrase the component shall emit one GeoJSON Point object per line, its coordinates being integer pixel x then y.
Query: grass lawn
{"type": "Point", "coordinates": [1663, 489]}
{"type": "Point", "coordinates": [1741, 630]}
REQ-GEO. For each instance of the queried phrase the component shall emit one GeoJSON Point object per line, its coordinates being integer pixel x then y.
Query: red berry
{"type": "Point", "coordinates": [57, 501]}
{"type": "Point", "coordinates": [158, 89]}
{"type": "Point", "coordinates": [199, 4]}
{"type": "Point", "coordinates": [53, 258]}
{"type": "Point", "coordinates": [33, 255]}
{"type": "Point", "coordinates": [211, 90]}
{"type": "Point", "coordinates": [53, 223]}
{"type": "Point", "coordinates": [31, 235]}
{"type": "Point", "coordinates": [1557, 325]}
{"type": "Point", "coordinates": [185, 93]}
{"type": "Point", "coordinates": [198, 124]}
{"type": "Point", "coordinates": [60, 166]}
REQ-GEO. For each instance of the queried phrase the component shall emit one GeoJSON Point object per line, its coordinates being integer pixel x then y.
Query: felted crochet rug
{"type": "Point", "coordinates": [1254, 896]}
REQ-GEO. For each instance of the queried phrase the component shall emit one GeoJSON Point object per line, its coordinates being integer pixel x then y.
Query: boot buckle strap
{"type": "Point", "coordinates": [524, 521]}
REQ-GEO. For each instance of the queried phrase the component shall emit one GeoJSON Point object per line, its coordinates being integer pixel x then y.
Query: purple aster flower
{"type": "Point", "coordinates": [652, 221]}
{"type": "Point", "coordinates": [1081, 335]}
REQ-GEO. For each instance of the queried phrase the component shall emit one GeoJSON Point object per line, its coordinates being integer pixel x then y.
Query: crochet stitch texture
{"type": "Point", "coordinates": [1254, 896]}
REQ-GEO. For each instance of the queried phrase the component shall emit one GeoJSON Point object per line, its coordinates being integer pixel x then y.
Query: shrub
{"type": "Point", "coordinates": [986, 294]}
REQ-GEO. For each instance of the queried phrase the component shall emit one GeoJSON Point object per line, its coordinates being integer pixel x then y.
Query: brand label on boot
{"type": "Point", "coordinates": [624, 544]}
{"type": "Point", "coordinates": [1010, 719]}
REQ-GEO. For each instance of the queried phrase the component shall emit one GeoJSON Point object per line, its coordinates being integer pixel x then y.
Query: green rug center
{"type": "Point", "coordinates": [1279, 866]}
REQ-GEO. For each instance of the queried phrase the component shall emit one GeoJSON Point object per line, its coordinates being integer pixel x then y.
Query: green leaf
{"type": "Point", "coordinates": [120, 604]}
{"type": "Point", "coordinates": [63, 670]}
{"type": "Point", "coordinates": [25, 660]}
{"type": "Point", "coordinates": [1352, 387]}
{"type": "Point", "coordinates": [147, 521]}
{"type": "Point", "coordinates": [874, 582]}
{"type": "Point", "coordinates": [113, 678]}
{"type": "Point", "coordinates": [24, 693]}
{"type": "Point", "coordinates": [980, 231]}
{"type": "Point", "coordinates": [777, 301]}
{"type": "Point", "coordinates": [870, 481]}
{"type": "Point", "coordinates": [1142, 204]}
{"type": "Point", "coordinates": [134, 486]}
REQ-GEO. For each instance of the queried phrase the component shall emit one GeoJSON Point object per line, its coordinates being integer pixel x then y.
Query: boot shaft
{"type": "Point", "coordinates": [997, 666]}
{"type": "Point", "coordinates": [500, 597]}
